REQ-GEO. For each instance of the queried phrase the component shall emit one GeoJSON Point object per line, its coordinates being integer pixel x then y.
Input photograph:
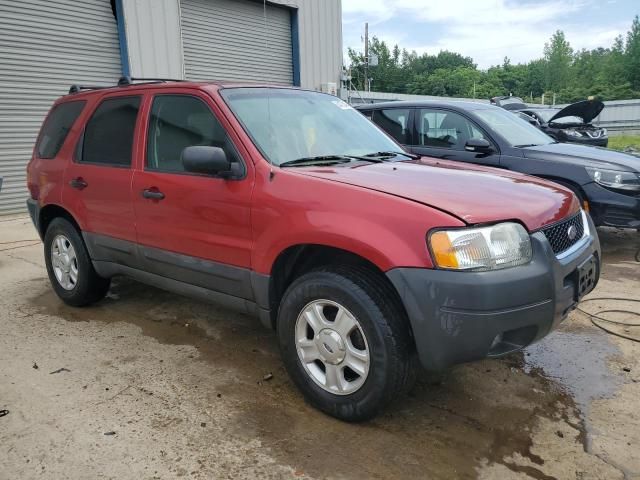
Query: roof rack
{"type": "Point", "coordinates": [78, 88]}
{"type": "Point", "coordinates": [123, 82]}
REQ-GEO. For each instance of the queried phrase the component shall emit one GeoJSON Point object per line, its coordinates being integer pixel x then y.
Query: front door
{"type": "Point", "coordinates": [97, 183]}
{"type": "Point", "coordinates": [443, 134]}
{"type": "Point", "coordinates": [191, 227]}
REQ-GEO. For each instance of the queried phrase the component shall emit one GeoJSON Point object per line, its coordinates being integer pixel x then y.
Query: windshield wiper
{"type": "Point", "coordinates": [330, 160]}
{"type": "Point", "coordinates": [321, 159]}
{"type": "Point", "coordinates": [391, 154]}
{"type": "Point", "coordinates": [527, 145]}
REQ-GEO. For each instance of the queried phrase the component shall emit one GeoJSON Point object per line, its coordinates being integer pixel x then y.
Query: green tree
{"type": "Point", "coordinates": [607, 73]}
{"type": "Point", "coordinates": [558, 55]}
{"type": "Point", "coordinates": [632, 54]}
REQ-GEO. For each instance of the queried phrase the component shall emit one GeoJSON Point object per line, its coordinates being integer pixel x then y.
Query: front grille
{"type": "Point", "coordinates": [558, 234]}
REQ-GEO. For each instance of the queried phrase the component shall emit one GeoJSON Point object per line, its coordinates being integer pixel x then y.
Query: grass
{"type": "Point", "coordinates": [620, 142]}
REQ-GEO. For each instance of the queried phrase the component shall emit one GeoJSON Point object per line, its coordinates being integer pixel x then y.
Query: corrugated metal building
{"type": "Point", "coordinates": [47, 45]}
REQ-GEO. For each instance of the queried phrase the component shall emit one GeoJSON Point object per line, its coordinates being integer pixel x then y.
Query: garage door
{"type": "Point", "coordinates": [227, 40]}
{"type": "Point", "coordinates": [45, 46]}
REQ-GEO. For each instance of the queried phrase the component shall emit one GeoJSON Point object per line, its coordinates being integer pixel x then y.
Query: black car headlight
{"type": "Point", "coordinates": [615, 179]}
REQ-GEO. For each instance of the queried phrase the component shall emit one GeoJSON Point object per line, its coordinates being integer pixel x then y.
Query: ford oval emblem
{"type": "Point", "coordinates": [572, 232]}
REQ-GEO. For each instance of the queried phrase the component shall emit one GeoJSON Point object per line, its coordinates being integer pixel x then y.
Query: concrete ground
{"type": "Point", "coordinates": [151, 385]}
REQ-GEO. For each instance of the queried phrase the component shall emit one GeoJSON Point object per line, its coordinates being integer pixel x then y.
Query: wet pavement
{"type": "Point", "coordinates": [184, 389]}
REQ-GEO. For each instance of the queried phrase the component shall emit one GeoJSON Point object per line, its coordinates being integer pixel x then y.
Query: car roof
{"type": "Point", "coordinates": [160, 85]}
{"type": "Point", "coordinates": [454, 104]}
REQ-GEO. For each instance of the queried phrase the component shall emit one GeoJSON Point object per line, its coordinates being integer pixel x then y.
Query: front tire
{"type": "Point", "coordinates": [70, 270]}
{"type": "Point", "coordinates": [345, 341]}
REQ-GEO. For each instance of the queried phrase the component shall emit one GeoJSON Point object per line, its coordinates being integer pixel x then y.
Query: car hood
{"type": "Point", "coordinates": [472, 193]}
{"type": "Point", "coordinates": [584, 155]}
{"type": "Point", "coordinates": [587, 110]}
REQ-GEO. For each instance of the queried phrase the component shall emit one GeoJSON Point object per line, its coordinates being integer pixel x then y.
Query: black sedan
{"type": "Point", "coordinates": [606, 182]}
{"type": "Point", "coordinates": [569, 124]}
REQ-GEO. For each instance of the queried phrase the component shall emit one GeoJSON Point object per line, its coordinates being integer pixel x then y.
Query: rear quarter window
{"type": "Point", "coordinates": [56, 128]}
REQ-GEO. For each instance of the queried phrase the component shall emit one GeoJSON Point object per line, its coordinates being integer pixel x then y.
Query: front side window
{"type": "Point", "coordinates": [287, 124]}
{"type": "Point", "coordinates": [445, 129]}
{"type": "Point", "coordinates": [394, 121]}
{"type": "Point", "coordinates": [108, 137]}
{"type": "Point", "coordinates": [56, 128]}
{"type": "Point", "coordinates": [178, 122]}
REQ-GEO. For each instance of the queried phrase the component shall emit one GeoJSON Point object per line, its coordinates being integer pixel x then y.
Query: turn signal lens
{"type": "Point", "coordinates": [479, 249]}
{"type": "Point", "coordinates": [443, 250]}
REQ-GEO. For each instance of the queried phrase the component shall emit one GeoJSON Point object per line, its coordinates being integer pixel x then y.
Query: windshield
{"type": "Point", "coordinates": [513, 129]}
{"type": "Point", "coordinates": [548, 114]}
{"type": "Point", "coordinates": [288, 124]}
{"type": "Point", "coordinates": [508, 100]}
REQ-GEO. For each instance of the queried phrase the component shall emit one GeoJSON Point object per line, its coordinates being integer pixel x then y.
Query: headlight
{"type": "Point", "coordinates": [488, 248]}
{"type": "Point", "coordinates": [615, 179]}
{"type": "Point", "coordinates": [573, 133]}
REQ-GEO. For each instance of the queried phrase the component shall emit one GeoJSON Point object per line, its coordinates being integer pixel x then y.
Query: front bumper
{"type": "Point", "coordinates": [594, 142]}
{"type": "Point", "coordinates": [610, 208]}
{"type": "Point", "coordinates": [459, 317]}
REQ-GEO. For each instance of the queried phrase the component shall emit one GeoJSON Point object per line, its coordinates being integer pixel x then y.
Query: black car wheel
{"type": "Point", "coordinates": [345, 341]}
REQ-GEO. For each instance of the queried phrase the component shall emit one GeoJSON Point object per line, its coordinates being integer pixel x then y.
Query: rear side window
{"type": "Point", "coordinates": [395, 121]}
{"type": "Point", "coordinates": [108, 137]}
{"type": "Point", "coordinates": [56, 128]}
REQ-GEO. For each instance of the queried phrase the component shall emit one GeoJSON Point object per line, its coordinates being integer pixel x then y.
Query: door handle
{"type": "Point", "coordinates": [78, 183]}
{"type": "Point", "coordinates": [152, 194]}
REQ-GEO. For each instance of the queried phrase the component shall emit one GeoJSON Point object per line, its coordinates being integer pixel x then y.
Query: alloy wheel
{"type": "Point", "coordinates": [332, 347]}
{"type": "Point", "coordinates": [64, 262]}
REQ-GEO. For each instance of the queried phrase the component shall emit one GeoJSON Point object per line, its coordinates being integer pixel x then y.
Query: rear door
{"type": "Point", "coordinates": [192, 227]}
{"type": "Point", "coordinates": [395, 121]}
{"type": "Point", "coordinates": [443, 134]}
{"type": "Point", "coordinates": [97, 184]}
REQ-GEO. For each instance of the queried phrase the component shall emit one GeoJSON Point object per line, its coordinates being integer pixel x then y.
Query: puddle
{"type": "Point", "coordinates": [445, 428]}
{"type": "Point", "coordinates": [576, 359]}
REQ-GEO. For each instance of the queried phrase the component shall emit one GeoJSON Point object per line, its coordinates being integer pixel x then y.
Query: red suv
{"type": "Point", "coordinates": [291, 206]}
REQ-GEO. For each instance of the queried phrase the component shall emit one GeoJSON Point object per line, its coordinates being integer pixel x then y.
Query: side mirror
{"type": "Point", "coordinates": [207, 160]}
{"type": "Point", "coordinates": [478, 145]}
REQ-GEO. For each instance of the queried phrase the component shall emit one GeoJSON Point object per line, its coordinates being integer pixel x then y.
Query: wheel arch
{"type": "Point", "coordinates": [296, 260]}
{"type": "Point", "coordinates": [49, 212]}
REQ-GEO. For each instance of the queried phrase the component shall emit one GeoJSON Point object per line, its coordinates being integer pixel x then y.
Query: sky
{"type": "Point", "coordinates": [486, 30]}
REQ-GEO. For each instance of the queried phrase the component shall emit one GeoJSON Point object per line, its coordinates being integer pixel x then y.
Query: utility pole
{"type": "Point", "coordinates": [366, 56]}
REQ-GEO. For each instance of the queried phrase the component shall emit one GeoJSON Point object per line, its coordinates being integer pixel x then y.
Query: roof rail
{"type": "Point", "coordinates": [78, 88]}
{"type": "Point", "coordinates": [124, 81]}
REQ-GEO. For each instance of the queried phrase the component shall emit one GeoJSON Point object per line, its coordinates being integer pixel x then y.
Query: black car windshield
{"type": "Point", "coordinates": [515, 131]}
{"type": "Point", "coordinates": [548, 113]}
{"type": "Point", "coordinates": [288, 124]}
{"type": "Point", "coordinates": [509, 100]}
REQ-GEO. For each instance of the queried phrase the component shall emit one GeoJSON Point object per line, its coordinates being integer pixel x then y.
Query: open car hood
{"type": "Point", "coordinates": [587, 110]}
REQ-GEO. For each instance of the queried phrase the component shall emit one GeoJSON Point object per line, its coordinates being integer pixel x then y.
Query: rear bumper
{"type": "Point", "coordinates": [459, 317]}
{"type": "Point", "coordinates": [609, 208]}
{"type": "Point", "coordinates": [34, 212]}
